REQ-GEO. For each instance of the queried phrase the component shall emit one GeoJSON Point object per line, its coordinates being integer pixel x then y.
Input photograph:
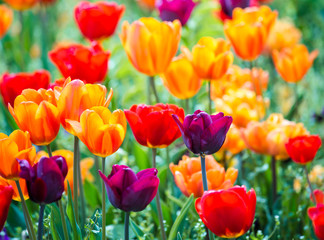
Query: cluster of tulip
{"type": "Point", "coordinates": [79, 103]}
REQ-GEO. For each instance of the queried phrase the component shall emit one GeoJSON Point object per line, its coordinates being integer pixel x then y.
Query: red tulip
{"type": "Point", "coordinates": [303, 149]}
{"type": "Point", "coordinates": [89, 64]}
{"type": "Point", "coordinates": [12, 84]}
{"type": "Point", "coordinates": [153, 126]}
{"type": "Point", "coordinates": [227, 213]}
{"type": "Point", "coordinates": [6, 193]}
{"type": "Point", "coordinates": [316, 214]}
{"type": "Point", "coordinates": [98, 20]}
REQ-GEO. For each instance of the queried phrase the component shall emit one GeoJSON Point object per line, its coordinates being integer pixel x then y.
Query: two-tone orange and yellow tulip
{"type": "Point", "coordinates": [35, 111]}
{"type": "Point", "coordinates": [150, 44]}
{"type": "Point", "coordinates": [234, 142]}
{"type": "Point", "coordinates": [100, 130]}
{"type": "Point", "coordinates": [6, 16]}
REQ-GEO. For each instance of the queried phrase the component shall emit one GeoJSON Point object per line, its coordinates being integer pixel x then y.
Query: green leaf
{"type": "Point", "coordinates": [55, 215]}
{"type": "Point", "coordinates": [136, 229]}
{"type": "Point", "coordinates": [183, 213]}
{"type": "Point", "coordinates": [92, 194]}
{"type": "Point", "coordinates": [141, 157]}
{"type": "Point", "coordinates": [71, 215]}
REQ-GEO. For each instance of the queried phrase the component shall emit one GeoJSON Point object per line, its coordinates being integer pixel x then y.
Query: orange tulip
{"type": "Point", "coordinates": [150, 45]}
{"type": "Point", "coordinates": [212, 57]}
{"type": "Point", "coordinates": [234, 142]}
{"type": "Point", "coordinates": [36, 112]}
{"type": "Point", "coordinates": [187, 175]}
{"type": "Point", "coordinates": [270, 136]}
{"type": "Point", "coordinates": [249, 29]}
{"type": "Point", "coordinates": [75, 97]}
{"type": "Point", "coordinates": [21, 5]}
{"type": "Point", "coordinates": [12, 183]}
{"type": "Point", "coordinates": [147, 4]}
{"type": "Point", "coordinates": [243, 105]}
{"type": "Point", "coordinates": [6, 17]}
{"type": "Point", "coordinates": [100, 130]}
{"type": "Point", "coordinates": [293, 63]}
{"type": "Point", "coordinates": [15, 146]}
{"type": "Point", "coordinates": [181, 79]}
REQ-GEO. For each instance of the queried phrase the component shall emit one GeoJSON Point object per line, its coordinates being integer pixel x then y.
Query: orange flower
{"type": "Point", "coordinates": [21, 5]}
{"type": "Point", "coordinates": [283, 34]}
{"type": "Point", "coordinates": [5, 19]}
{"type": "Point", "coordinates": [12, 183]}
{"type": "Point", "coordinates": [234, 142]}
{"type": "Point", "coordinates": [212, 57]}
{"type": "Point", "coordinates": [249, 29]}
{"type": "Point", "coordinates": [181, 79]}
{"type": "Point", "coordinates": [75, 97]}
{"type": "Point", "coordinates": [270, 136]}
{"type": "Point", "coordinates": [148, 4]}
{"type": "Point", "coordinates": [187, 175]}
{"type": "Point", "coordinates": [36, 112]}
{"type": "Point", "coordinates": [150, 45]}
{"type": "Point", "coordinates": [243, 105]}
{"type": "Point", "coordinates": [100, 130]}
{"type": "Point", "coordinates": [15, 146]}
{"type": "Point", "coordinates": [293, 63]}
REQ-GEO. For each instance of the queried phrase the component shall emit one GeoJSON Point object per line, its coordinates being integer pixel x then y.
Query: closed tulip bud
{"type": "Point", "coordinates": [129, 191]}
{"type": "Point", "coordinates": [293, 63]}
{"type": "Point", "coordinates": [36, 112]}
{"type": "Point", "coordinates": [227, 213]}
{"type": "Point", "coordinates": [98, 20]}
{"type": "Point", "coordinates": [89, 64]}
{"type": "Point", "coordinates": [150, 45]}
{"type": "Point", "coordinates": [11, 85]}
{"type": "Point", "coordinates": [21, 5]}
{"type": "Point", "coordinates": [100, 130]}
{"type": "Point", "coordinates": [45, 179]}
{"type": "Point", "coordinates": [303, 149]}
{"type": "Point", "coordinates": [6, 16]}
{"type": "Point", "coordinates": [316, 214]}
{"type": "Point", "coordinates": [153, 126]}
{"type": "Point", "coordinates": [6, 193]}
{"type": "Point", "coordinates": [203, 133]}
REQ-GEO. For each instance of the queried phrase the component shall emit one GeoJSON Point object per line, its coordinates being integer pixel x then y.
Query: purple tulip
{"type": "Point", "coordinates": [129, 191]}
{"type": "Point", "coordinates": [203, 133]}
{"type": "Point", "coordinates": [45, 180]}
{"type": "Point", "coordinates": [170, 10]}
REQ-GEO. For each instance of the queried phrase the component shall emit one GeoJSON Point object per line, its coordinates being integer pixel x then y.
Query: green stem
{"type": "Point", "coordinates": [49, 150]}
{"type": "Point", "coordinates": [274, 178]}
{"type": "Point", "coordinates": [157, 198]}
{"type": "Point", "coordinates": [103, 203]}
{"type": "Point", "coordinates": [82, 198]}
{"type": "Point", "coordinates": [44, 31]}
{"type": "Point", "coordinates": [96, 159]}
{"type": "Point", "coordinates": [149, 99]}
{"type": "Point", "coordinates": [203, 171]}
{"type": "Point", "coordinates": [40, 222]}
{"type": "Point", "coordinates": [126, 226]}
{"type": "Point", "coordinates": [209, 98]}
{"type": "Point", "coordinates": [75, 178]}
{"type": "Point", "coordinates": [309, 184]}
{"type": "Point", "coordinates": [152, 83]}
{"type": "Point", "coordinates": [187, 106]}
{"type": "Point", "coordinates": [28, 220]}
{"type": "Point", "coordinates": [65, 231]}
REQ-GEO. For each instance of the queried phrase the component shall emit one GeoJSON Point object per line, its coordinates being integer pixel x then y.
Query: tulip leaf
{"type": "Point", "coordinates": [141, 157]}
{"type": "Point", "coordinates": [136, 229]}
{"type": "Point", "coordinates": [91, 194]}
{"type": "Point", "coordinates": [55, 215]}
{"type": "Point", "coordinates": [177, 222]}
{"type": "Point", "coordinates": [71, 215]}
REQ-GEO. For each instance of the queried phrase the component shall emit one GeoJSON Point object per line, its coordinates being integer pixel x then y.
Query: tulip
{"type": "Point", "coordinates": [303, 149]}
{"type": "Point", "coordinates": [90, 64]}
{"type": "Point", "coordinates": [150, 45]}
{"type": "Point", "coordinates": [249, 29]}
{"type": "Point", "coordinates": [100, 130]}
{"type": "Point", "coordinates": [129, 191]}
{"type": "Point", "coordinates": [76, 97]}
{"type": "Point", "coordinates": [293, 63]}
{"type": "Point", "coordinates": [22, 183]}
{"type": "Point", "coordinates": [153, 126]}
{"type": "Point", "coordinates": [5, 19]}
{"type": "Point", "coordinates": [180, 78]}
{"type": "Point", "coordinates": [21, 5]}
{"type": "Point", "coordinates": [36, 112]}
{"type": "Point", "coordinates": [6, 193]}
{"type": "Point", "coordinates": [147, 4]}
{"type": "Point", "coordinates": [15, 146]}
{"type": "Point", "coordinates": [227, 7]}
{"type": "Point", "coordinates": [316, 214]}
{"type": "Point", "coordinates": [175, 9]}
{"type": "Point", "coordinates": [227, 213]}
{"type": "Point", "coordinates": [203, 133]}
{"type": "Point", "coordinates": [188, 177]}
{"type": "Point", "coordinates": [98, 20]}
{"type": "Point", "coordinates": [11, 85]}
{"type": "Point", "coordinates": [45, 179]}
{"type": "Point", "coordinates": [233, 142]}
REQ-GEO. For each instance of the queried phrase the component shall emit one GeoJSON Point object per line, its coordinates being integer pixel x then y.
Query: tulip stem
{"type": "Point", "coordinates": [28, 220]}
{"type": "Point", "coordinates": [274, 178]}
{"type": "Point", "coordinates": [309, 184]}
{"type": "Point", "coordinates": [65, 231]}
{"type": "Point", "coordinates": [44, 31]}
{"type": "Point", "coordinates": [149, 99]}
{"type": "Point", "coordinates": [49, 150]}
{"type": "Point", "coordinates": [103, 203]}
{"type": "Point", "coordinates": [203, 171]}
{"type": "Point", "coordinates": [157, 198]}
{"type": "Point", "coordinates": [75, 178]}
{"type": "Point", "coordinates": [187, 105]}
{"type": "Point", "coordinates": [152, 83]}
{"type": "Point", "coordinates": [209, 98]}
{"type": "Point", "coordinates": [40, 222]}
{"type": "Point", "coordinates": [126, 225]}
{"type": "Point", "coordinates": [83, 207]}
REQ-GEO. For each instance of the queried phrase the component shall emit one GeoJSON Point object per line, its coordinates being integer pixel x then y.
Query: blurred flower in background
{"type": "Point", "coordinates": [6, 17]}
{"type": "Point", "coordinates": [147, 4]}
{"type": "Point", "coordinates": [227, 7]}
{"type": "Point", "coordinates": [234, 142]}
{"type": "Point", "coordinates": [21, 5]}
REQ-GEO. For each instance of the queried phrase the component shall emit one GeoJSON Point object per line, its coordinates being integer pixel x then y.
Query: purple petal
{"type": "Point", "coordinates": [187, 120]}
{"type": "Point", "coordinates": [147, 173]}
{"type": "Point", "coordinates": [26, 171]}
{"type": "Point", "coordinates": [217, 116]}
{"type": "Point", "coordinates": [61, 162]}
{"type": "Point", "coordinates": [114, 196]}
{"type": "Point", "coordinates": [115, 169]}
{"type": "Point", "coordinates": [122, 178]}
{"type": "Point", "coordinates": [37, 190]}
